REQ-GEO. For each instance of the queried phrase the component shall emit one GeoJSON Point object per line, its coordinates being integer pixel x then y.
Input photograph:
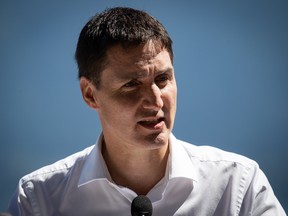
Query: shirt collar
{"type": "Point", "coordinates": [94, 167]}
{"type": "Point", "coordinates": [179, 164]}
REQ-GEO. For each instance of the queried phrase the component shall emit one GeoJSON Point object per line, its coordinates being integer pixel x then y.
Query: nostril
{"type": "Point", "coordinates": [155, 105]}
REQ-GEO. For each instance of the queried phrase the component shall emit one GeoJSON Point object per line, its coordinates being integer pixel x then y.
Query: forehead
{"type": "Point", "coordinates": [138, 59]}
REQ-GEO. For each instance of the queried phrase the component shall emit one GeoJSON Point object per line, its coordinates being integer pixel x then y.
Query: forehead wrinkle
{"type": "Point", "coordinates": [134, 71]}
{"type": "Point", "coordinates": [143, 74]}
{"type": "Point", "coordinates": [138, 74]}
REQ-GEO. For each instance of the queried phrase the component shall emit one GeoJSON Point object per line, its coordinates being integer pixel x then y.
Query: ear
{"type": "Point", "coordinates": [88, 92]}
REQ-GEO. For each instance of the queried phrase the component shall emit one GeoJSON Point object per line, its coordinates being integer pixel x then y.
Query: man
{"type": "Point", "coordinates": [126, 73]}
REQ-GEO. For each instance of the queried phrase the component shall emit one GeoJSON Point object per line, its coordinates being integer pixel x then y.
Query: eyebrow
{"type": "Point", "coordinates": [141, 74]}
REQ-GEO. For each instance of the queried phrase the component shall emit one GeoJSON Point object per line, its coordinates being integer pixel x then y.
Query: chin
{"type": "Point", "coordinates": [157, 140]}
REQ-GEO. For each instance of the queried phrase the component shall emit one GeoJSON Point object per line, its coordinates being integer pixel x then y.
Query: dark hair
{"type": "Point", "coordinates": [119, 25]}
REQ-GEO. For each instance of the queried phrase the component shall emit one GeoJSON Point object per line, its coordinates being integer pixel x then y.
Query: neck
{"type": "Point", "coordinates": [138, 170]}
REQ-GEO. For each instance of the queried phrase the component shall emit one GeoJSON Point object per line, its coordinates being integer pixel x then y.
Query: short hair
{"type": "Point", "coordinates": [119, 25]}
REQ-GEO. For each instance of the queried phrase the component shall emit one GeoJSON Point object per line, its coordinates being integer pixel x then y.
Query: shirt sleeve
{"type": "Point", "coordinates": [20, 204]}
{"type": "Point", "coordinates": [260, 199]}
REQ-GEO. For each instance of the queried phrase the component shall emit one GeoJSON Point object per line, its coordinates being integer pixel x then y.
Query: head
{"type": "Point", "coordinates": [116, 26]}
{"type": "Point", "coordinates": [126, 73]}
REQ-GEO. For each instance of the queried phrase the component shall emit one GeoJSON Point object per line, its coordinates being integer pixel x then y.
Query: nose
{"type": "Point", "coordinates": [152, 98]}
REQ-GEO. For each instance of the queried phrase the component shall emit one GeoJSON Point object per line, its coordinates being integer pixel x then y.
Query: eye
{"type": "Point", "coordinates": [131, 84]}
{"type": "Point", "coordinates": [162, 80]}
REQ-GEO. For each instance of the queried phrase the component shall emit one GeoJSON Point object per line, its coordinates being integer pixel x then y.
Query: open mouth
{"type": "Point", "coordinates": [152, 123]}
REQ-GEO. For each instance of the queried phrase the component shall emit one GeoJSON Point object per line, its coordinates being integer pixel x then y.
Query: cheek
{"type": "Point", "coordinates": [169, 96]}
{"type": "Point", "coordinates": [115, 115]}
{"type": "Point", "coordinates": [119, 109]}
{"type": "Point", "coordinates": [127, 99]}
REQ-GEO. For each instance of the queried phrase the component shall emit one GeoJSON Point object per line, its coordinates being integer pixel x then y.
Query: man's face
{"type": "Point", "coordinates": [136, 101]}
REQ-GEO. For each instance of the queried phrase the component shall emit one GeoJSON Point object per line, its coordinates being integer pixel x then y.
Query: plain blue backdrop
{"type": "Point", "coordinates": [231, 65]}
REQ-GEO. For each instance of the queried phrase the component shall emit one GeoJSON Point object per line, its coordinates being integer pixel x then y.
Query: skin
{"type": "Point", "coordinates": [136, 104]}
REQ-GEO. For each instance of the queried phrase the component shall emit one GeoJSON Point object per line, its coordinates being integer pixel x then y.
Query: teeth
{"type": "Point", "coordinates": [154, 121]}
{"type": "Point", "coordinates": [150, 121]}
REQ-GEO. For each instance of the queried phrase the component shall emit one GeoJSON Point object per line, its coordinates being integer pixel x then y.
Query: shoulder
{"type": "Point", "coordinates": [57, 170]}
{"type": "Point", "coordinates": [222, 168]}
{"type": "Point", "coordinates": [209, 154]}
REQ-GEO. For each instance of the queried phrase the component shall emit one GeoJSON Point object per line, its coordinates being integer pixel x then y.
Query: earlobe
{"type": "Point", "coordinates": [88, 92]}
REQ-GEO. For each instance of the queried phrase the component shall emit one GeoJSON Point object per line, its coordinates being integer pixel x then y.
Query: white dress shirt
{"type": "Point", "coordinates": [199, 181]}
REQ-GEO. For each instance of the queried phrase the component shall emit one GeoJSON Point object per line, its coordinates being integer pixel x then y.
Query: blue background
{"type": "Point", "coordinates": [231, 62]}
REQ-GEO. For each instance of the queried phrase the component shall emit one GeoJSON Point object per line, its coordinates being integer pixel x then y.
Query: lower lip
{"type": "Point", "coordinates": [156, 126]}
